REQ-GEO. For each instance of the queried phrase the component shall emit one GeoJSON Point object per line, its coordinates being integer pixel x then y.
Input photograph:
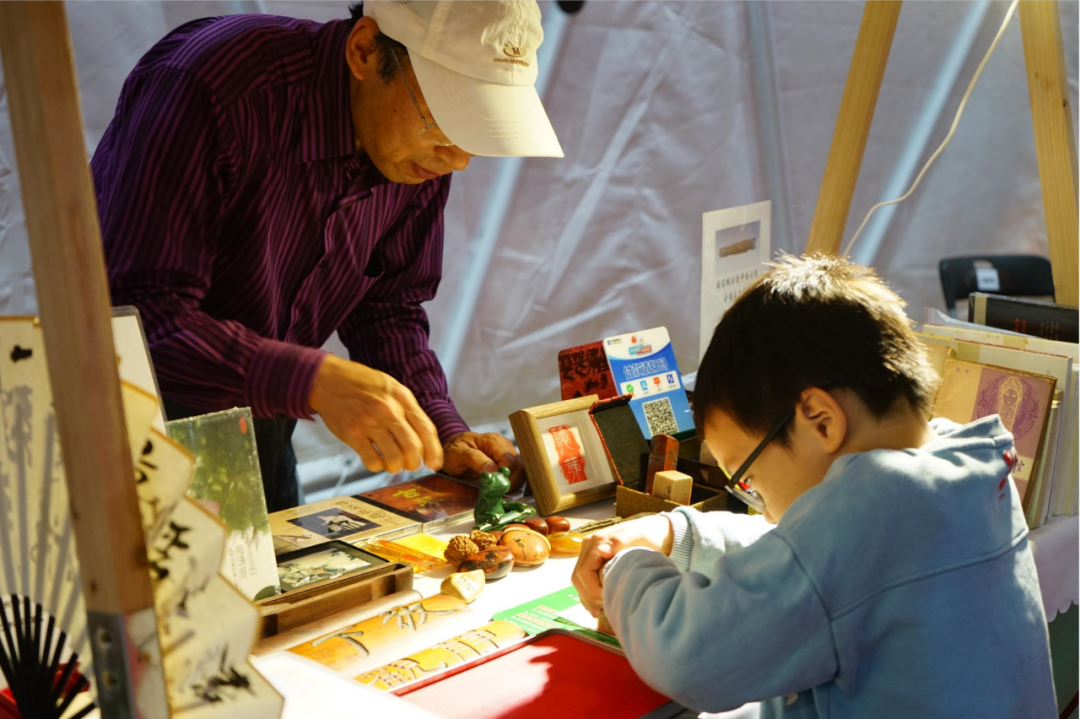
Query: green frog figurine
{"type": "Point", "coordinates": [491, 512]}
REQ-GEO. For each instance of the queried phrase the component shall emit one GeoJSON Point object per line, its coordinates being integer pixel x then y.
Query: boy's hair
{"type": "Point", "coordinates": [384, 46]}
{"type": "Point", "coordinates": [817, 321]}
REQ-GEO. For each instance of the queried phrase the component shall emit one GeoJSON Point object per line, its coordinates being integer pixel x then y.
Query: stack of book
{"type": "Point", "coordinates": [1032, 382]}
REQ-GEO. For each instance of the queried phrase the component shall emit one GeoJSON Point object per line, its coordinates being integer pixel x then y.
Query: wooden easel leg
{"type": "Point", "coordinates": [1048, 88]}
{"type": "Point", "coordinates": [73, 297]}
{"type": "Point", "coordinates": [853, 125]}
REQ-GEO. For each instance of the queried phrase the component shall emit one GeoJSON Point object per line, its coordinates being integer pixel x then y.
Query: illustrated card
{"type": "Point", "coordinates": [345, 518]}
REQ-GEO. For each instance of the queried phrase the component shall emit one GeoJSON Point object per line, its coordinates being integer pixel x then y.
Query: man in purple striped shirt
{"type": "Point", "coordinates": [267, 181]}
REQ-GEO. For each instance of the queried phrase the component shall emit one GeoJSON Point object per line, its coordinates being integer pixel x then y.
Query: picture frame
{"type": "Point", "coordinates": [323, 564]}
{"type": "Point", "coordinates": [563, 454]}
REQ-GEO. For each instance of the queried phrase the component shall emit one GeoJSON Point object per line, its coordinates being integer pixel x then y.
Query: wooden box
{"type": "Point", "coordinates": [629, 502]}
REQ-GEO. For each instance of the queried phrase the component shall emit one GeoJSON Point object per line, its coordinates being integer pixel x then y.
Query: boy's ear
{"type": "Point", "coordinates": [824, 417]}
{"type": "Point", "coordinates": [360, 49]}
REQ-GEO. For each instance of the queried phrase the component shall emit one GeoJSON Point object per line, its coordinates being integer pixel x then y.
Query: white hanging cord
{"type": "Point", "coordinates": [952, 130]}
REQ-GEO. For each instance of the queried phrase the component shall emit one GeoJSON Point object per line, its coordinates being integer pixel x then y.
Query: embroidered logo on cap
{"type": "Point", "coordinates": [512, 51]}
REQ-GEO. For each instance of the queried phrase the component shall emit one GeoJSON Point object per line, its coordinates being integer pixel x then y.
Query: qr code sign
{"type": "Point", "coordinates": [660, 417]}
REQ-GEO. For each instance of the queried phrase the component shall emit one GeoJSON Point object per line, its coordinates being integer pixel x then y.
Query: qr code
{"type": "Point", "coordinates": [660, 417]}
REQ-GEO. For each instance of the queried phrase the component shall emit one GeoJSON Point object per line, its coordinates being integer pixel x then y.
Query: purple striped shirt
{"type": "Point", "coordinates": [237, 215]}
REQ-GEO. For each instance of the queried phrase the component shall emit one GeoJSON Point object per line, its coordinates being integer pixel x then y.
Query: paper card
{"type": "Point", "coordinates": [643, 365]}
{"type": "Point", "coordinates": [735, 245]}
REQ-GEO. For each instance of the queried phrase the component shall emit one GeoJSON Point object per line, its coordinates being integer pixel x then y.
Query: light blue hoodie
{"type": "Point", "coordinates": [902, 586]}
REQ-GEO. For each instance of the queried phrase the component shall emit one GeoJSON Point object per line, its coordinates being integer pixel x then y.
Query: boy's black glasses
{"type": "Point", "coordinates": [741, 489]}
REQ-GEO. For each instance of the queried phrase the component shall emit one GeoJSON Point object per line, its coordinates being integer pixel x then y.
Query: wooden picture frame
{"type": "Point", "coordinates": [545, 431]}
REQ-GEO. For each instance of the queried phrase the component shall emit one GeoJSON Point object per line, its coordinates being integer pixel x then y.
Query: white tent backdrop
{"type": "Point", "coordinates": [665, 110]}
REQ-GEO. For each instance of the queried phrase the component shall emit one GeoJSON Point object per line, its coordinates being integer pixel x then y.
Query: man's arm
{"type": "Point", "coordinates": [388, 330]}
{"type": "Point", "coordinates": [165, 170]}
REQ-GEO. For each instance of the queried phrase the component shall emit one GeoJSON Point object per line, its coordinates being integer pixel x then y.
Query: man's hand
{"type": "Point", "coordinates": [375, 415]}
{"type": "Point", "coordinates": [470, 454]}
{"type": "Point", "coordinates": [650, 532]}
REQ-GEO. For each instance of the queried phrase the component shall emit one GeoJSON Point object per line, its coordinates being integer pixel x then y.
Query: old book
{"type": "Point", "coordinates": [346, 518]}
{"type": "Point", "coordinates": [971, 391]}
{"type": "Point", "coordinates": [1031, 317]}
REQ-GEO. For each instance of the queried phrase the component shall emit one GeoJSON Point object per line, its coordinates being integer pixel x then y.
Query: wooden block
{"type": "Point", "coordinates": [663, 456]}
{"type": "Point", "coordinates": [673, 486]}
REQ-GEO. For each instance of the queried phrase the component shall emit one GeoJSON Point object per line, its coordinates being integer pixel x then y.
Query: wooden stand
{"type": "Point", "coordinates": [1051, 116]}
{"type": "Point", "coordinates": [73, 295]}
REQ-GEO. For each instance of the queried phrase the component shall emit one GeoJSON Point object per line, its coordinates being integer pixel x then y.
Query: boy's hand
{"type": "Point", "coordinates": [650, 532]}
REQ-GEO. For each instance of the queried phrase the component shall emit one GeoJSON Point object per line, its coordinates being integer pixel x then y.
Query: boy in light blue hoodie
{"type": "Point", "coordinates": [890, 574]}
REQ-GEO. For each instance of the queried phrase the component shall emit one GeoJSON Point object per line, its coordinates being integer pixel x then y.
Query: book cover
{"type": "Point", "coordinates": [1031, 317]}
{"type": "Point", "coordinates": [346, 518]}
{"type": "Point", "coordinates": [584, 371]}
{"type": "Point", "coordinates": [428, 499]}
{"type": "Point", "coordinates": [228, 482]}
{"type": "Point", "coordinates": [971, 391]}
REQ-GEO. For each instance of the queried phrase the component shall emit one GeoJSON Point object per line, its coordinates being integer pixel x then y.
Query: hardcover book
{"type": "Point", "coordinates": [1031, 317]}
{"type": "Point", "coordinates": [433, 498]}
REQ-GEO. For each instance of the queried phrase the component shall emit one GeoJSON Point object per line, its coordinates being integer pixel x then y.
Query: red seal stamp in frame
{"type": "Point", "coordinates": [568, 450]}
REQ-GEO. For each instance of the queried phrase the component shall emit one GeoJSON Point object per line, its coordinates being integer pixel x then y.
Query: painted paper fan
{"type": "Point", "coordinates": [205, 626]}
{"type": "Point", "coordinates": [44, 647]}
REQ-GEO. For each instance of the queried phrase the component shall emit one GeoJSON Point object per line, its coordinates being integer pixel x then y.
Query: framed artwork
{"type": "Point", "coordinates": [563, 454]}
{"type": "Point", "coordinates": [324, 563]}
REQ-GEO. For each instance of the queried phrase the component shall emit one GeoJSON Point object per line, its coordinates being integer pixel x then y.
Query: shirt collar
{"type": "Point", "coordinates": [327, 130]}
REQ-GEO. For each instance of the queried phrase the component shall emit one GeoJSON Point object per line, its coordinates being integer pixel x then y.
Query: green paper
{"type": "Point", "coordinates": [543, 613]}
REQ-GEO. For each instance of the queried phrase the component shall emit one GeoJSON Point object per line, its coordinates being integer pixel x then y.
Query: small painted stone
{"type": "Point", "coordinates": [529, 548]}
{"type": "Point", "coordinates": [465, 586]}
{"type": "Point", "coordinates": [558, 524]}
{"type": "Point", "coordinates": [537, 524]}
{"type": "Point", "coordinates": [496, 562]}
{"type": "Point", "coordinates": [566, 542]}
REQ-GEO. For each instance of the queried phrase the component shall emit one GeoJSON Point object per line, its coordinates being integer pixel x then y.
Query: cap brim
{"type": "Point", "coordinates": [484, 118]}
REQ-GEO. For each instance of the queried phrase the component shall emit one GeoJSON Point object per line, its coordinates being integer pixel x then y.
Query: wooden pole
{"type": "Point", "coordinates": [853, 125]}
{"type": "Point", "coordinates": [73, 298]}
{"type": "Point", "coordinates": [1055, 144]}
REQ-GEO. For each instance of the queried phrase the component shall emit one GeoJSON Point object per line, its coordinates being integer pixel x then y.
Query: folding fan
{"type": "Point", "coordinates": [205, 626]}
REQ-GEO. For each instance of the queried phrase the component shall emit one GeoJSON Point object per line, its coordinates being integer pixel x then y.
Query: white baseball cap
{"type": "Point", "coordinates": [475, 61]}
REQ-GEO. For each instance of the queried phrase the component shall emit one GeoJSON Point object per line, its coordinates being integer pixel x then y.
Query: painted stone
{"type": "Point", "coordinates": [558, 524]}
{"type": "Point", "coordinates": [496, 562]}
{"type": "Point", "coordinates": [529, 548]}
{"type": "Point", "coordinates": [566, 542]}
{"type": "Point", "coordinates": [538, 525]}
{"type": "Point", "coordinates": [466, 586]}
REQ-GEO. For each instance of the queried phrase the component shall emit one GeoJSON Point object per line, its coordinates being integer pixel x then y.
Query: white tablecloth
{"type": "Point", "coordinates": [1056, 546]}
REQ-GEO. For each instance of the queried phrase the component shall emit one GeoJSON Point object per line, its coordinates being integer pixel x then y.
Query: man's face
{"type": "Point", "coordinates": [386, 123]}
{"type": "Point", "coordinates": [779, 474]}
